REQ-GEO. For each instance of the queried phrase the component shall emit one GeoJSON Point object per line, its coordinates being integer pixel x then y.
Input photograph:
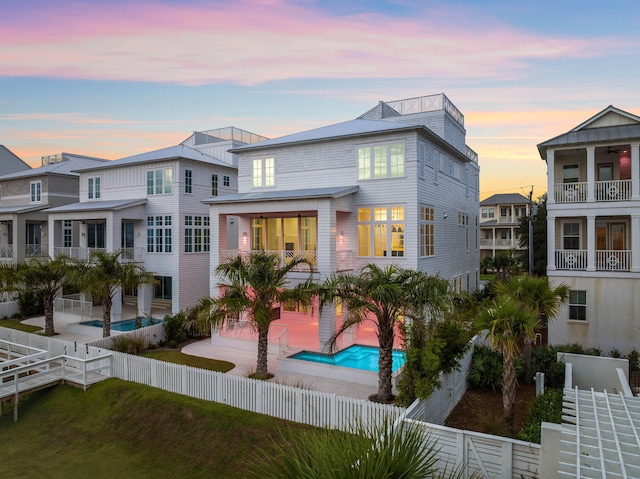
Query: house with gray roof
{"type": "Point", "coordinates": [499, 221]}
{"type": "Point", "coordinates": [10, 162]}
{"type": "Point", "coordinates": [593, 229]}
{"type": "Point", "coordinates": [397, 185]}
{"type": "Point", "coordinates": [25, 196]}
{"type": "Point", "coordinates": [150, 206]}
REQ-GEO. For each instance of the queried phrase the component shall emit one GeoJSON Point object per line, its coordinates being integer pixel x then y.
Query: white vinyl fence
{"type": "Point", "coordinates": [8, 309]}
{"type": "Point", "coordinates": [149, 335]}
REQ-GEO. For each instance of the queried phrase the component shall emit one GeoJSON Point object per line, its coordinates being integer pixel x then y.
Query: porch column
{"type": "Point", "coordinates": [635, 171]}
{"type": "Point", "coordinates": [326, 325]}
{"type": "Point", "coordinates": [635, 243]}
{"type": "Point", "coordinates": [19, 238]}
{"type": "Point", "coordinates": [326, 253]}
{"type": "Point", "coordinates": [591, 243]}
{"type": "Point", "coordinates": [591, 173]}
{"type": "Point", "coordinates": [112, 233]}
{"type": "Point", "coordinates": [551, 197]}
{"type": "Point", "coordinates": [551, 243]}
{"type": "Point", "coordinates": [214, 254]}
{"type": "Point", "coordinates": [54, 232]}
{"type": "Point", "coordinates": [116, 306]}
{"type": "Point", "coordinates": [145, 295]}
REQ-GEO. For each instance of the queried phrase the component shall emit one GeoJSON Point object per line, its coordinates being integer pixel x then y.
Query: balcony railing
{"type": "Point", "coordinates": [571, 259]}
{"type": "Point", "coordinates": [36, 250]}
{"type": "Point", "coordinates": [512, 243]}
{"type": "Point", "coordinates": [614, 190]}
{"type": "Point", "coordinates": [613, 260]}
{"type": "Point", "coordinates": [128, 254]}
{"type": "Point", "coordinates": [343, 258]}
{"type": "Point", "coordinates": [571, 192]}
{"type": "Point", "coordinates": [6, 251]}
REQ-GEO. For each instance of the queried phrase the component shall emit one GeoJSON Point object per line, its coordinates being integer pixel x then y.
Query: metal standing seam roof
{"type": "Point", "coordinates": [309, 193]}
{"type": "Point", "coordinates": [169, 153]}
{"type": "Point", "coordinates": [67, 167]}
{"type": "Point", "coordinates": [505, 199]}
{"type": "Point", "coordinates": [97, 206]}
{"type": "Point", "coordinates": [21, 209]}
{"type": "Point", "coordinates": [600, 435]}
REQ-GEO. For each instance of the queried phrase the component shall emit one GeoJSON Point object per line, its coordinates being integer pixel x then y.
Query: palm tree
{"type": "Point", "coordinates": [255, 286]}
{"type": "Point", "coordinates": [535, 293]}
{"type": "Point", "coordinates": [384, 296]}
{"type": "Point", "coordinates": [44, 276]}
{"type": "Point", "coordinates": [104, 274]}
{"type": "Point", "coordinates": [508, 323]}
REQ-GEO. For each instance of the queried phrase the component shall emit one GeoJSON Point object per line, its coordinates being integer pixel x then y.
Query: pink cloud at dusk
{"type": "Point", "coordinates": [253, 42]}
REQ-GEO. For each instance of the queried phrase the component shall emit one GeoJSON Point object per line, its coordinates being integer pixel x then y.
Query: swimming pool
{"type": "Point", "coordinates": [125, 325]}
{"type": "Point", "coordinates": [355, 357]}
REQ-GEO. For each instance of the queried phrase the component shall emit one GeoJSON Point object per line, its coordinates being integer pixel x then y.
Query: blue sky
{"type": "Point", "coordinates": [112, 79]}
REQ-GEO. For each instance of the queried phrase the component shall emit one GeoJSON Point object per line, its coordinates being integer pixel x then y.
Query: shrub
{"type": "Point", "coordinates": [634, 360]}
{"type": "Point", "coordinates": [174, 329]}
{"type": "Point", "coordinates": [29, 304]}
{"type": "Point", "coordinates": [545, 360]}
{"type": "Point", "coordinates": [486, 367]}
{"type": "Point", "coordinates": [544, 408]}
{"type": "Point", "coordinates": [127, 344]}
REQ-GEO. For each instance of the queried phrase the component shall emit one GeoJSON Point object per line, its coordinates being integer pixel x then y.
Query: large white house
{"type": "Point", "coordinates": [150, 205]}
{"type": "Point", "coordinates": [500, 216]}
{"type": "Point", "coordinates": [593, 229]}
{"type": "Point", "coordinates": [396, 185]}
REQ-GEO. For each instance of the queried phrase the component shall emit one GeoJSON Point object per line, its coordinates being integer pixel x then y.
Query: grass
{"type": "Point", "coordinates": [177, 357]}
{"type": "Point", "coordinates": [121, 429]}
{"type": "Point", "coordinates": [16, 324]}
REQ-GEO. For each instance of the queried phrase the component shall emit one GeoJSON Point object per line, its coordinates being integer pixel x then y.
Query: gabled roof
{"type": "Point", "coordinates": [358, 127]}
{"type": "Point", "coordinates": [169, 153]}
{"type": "Point", "coordinates": [67, 167]}
{"type": "Point", "coordinates": [505, 199]}
{"type": "Point", "coordinates": [112, 205]}
{"type": "Point", "coordinates": [608, 126]}
{"type": "Point", "coordinates": [309, 193]}
{"type": "Point", "coordinates": [21, 209]}
{"type": "Point", "coordinates": [10, 162]}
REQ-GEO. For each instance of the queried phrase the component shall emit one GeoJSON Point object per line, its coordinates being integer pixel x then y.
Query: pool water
{"type": "Point", "coordinates": [355, 357]}
{"type": "Point", "coordinates": [126, 325]}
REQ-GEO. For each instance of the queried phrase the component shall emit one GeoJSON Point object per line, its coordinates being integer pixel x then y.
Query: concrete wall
{"type": "Point", "coordinates": [595, 372]}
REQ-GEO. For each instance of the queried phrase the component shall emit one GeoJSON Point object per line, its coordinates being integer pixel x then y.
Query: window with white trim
{"type": "Point", "coordinates": [159, 181]}
{"type": "Point", "coordinates": [571, 236]}
{"type": "Point", "coordinates": [214, 184]}
{"type": "Point", "coordinates": [427, 228]}
{"type": "Point", "coordinates": [264, 172]}
{"type": "Point", "coordinates": [159, 234]}
{"type": "Point", "coordinates": [488, 212]}
{"type": "Point", "coordinates": [196, 234]}
{"type": "Point", "coordinates": [35, 188]}
{"type": "Point", "coordinates": [93, 188]}
{"type": "Point", "coordinates": [226, 180]}
{"type": "Point", "coordinates": [381, 161]}
{"type": "Point", "coordinates": [188, 181]}
{"type": "Point", "coordinates": [67, 233]}
{"type": "Point", "coordinates": [421, 159]}
{"type": "Point", "coordinates": [577, 305]}
{"type": "Point", "coordinates": [381, 231]}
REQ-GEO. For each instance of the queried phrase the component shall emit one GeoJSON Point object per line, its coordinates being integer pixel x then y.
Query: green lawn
{"type": "Point", "coordinates": [177, 357]}
{"type": "Point", "coordinates": [16, 324]}
{"type": "Point", "coordinates": [122, 429]}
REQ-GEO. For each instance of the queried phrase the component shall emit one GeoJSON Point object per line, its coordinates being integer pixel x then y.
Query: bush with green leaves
{"type": "Point", "coordinates": [545, 360]}
{"type": "Point", "coordinates": [29, 304]}
{"type": "Point", "coordinates": [174, 329]}
{"type": "Point", "coordinates": [544, 408]}
{"type": "Point", "coordinates": [127, 344]}
{"type": "Point", "coordinates": [634, 360]}
{"type": "Point", "coordinates": [486, 368]}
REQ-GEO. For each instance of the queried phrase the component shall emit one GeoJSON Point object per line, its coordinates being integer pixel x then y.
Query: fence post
{"type": "Point", "coordinates": [185, 381]}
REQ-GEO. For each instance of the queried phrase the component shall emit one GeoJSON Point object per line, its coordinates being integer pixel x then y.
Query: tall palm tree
{"type": "Point", "coordinates": [255, 286]}
{"type": "Point", "coordinates": [535, 293]}
{"type": "Point", "coordinates": [104, 274]}
{"type": "Point", "coordinates": [44, 276]}
{"type": "Point", "coordinates": [507, 323]}
{"type": "Point", "coordinates": [384, 296]}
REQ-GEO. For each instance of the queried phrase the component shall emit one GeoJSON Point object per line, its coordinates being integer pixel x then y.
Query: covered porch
{"type": "Point", "coordinates": [23, 233]}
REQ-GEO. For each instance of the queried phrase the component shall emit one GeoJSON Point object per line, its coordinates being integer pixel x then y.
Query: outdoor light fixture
{"type": "Point", "coordinates": [244, 238]}
{"type": "Point", "coordinates": [445, 216]}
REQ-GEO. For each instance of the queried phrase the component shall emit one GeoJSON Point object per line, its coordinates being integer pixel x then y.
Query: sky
{"type": "Point", "coordinates": [113, 79]}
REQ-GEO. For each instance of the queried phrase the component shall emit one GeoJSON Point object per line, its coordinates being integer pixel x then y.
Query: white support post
{"type": "Point", "coordinates": [591, 173]}
{"type": "Point", "coordinates": [591, 243]}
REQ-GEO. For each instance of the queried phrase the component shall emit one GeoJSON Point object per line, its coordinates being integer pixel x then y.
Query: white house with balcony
{"type": "Point", "coordinates": [396, 185]}
{"type": "Point", "coordinates": [27, 193]}
{"type": "Point", "coordinates": [500, 216]}
{"type": "Point", "coordinates": [593, 229]}
{"type": "Point", "coordinates": [150, 206]}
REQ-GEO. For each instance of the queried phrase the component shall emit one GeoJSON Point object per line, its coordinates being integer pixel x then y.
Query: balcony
{"type": "Point", "coordinates": [82, 254]}
{"type": "Point", "coordinates": [343, 258]}
{"type": "Point", "coordinates": [606, 260]}
{"type": "Point", "coordinates": [612, 190]}
{"type": "Point", "coordinates": [6, 251]}
{"type": "Point", "coordinates": [31, 250]}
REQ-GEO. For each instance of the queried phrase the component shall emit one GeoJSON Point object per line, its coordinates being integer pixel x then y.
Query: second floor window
{"type": "Point", "coordinates": [36, 191]}
{"type": "Point", "coordinates": [214, 185]}
{"type": "Point", "coordinates": [226, 180]}
{"type": "Point", "coordinates": [427, 237]}
{"type": "Point", "coordinates": [93, 188]}
{"type": "Point", "coordinates": [159, 237]}
{"type": "Point", "coordinates": [159, 181]}
{"type": "Point", "coordinates": [570, 174]}
{"type": "Point", "coordinates": [196, 240]}
{"type": "Point", "coordinates": [488, 212]}
{"type": "Point", "coordinates": [571, 236]}
{"type": "Point", "coordinates": [264, 172]}
{"type": "Point", "coordinates": [381, 161]}
{"type": "Point", "coordinates": [381, 231]}
{"type": "Point", "coordinates": [188, 181]}
{"type": "Point", "coordinates": [577, 305]}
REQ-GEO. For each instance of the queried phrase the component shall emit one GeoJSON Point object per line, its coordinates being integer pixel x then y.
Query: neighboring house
{"type": "Point", "coordinates": [499, 221]}
{"type": "Point", "coordinates": [150, 205]}
{"type": "Point", "coordinates": [10, 163]}
{"type": "Point", "coordinates": [398, 185]}
{"type": "Point", "coordinates": [25, 195]}
{"type": "Point", "coordinates": [593, 230]}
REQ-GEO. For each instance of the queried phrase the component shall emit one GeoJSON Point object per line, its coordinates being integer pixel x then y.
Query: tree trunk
{"type": "Point", "coordinates": [385, 365]}
{"type": "Point", "coordinates": [106, 316]}
{"type": "Point", "coordinates": [528, 378]}
{"type": "Point", "coordinates": [509, 387]}
{"type": "Point", "coordinates": [48, 317]}
{"type": "Point", "coordinates": [263, 344]}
